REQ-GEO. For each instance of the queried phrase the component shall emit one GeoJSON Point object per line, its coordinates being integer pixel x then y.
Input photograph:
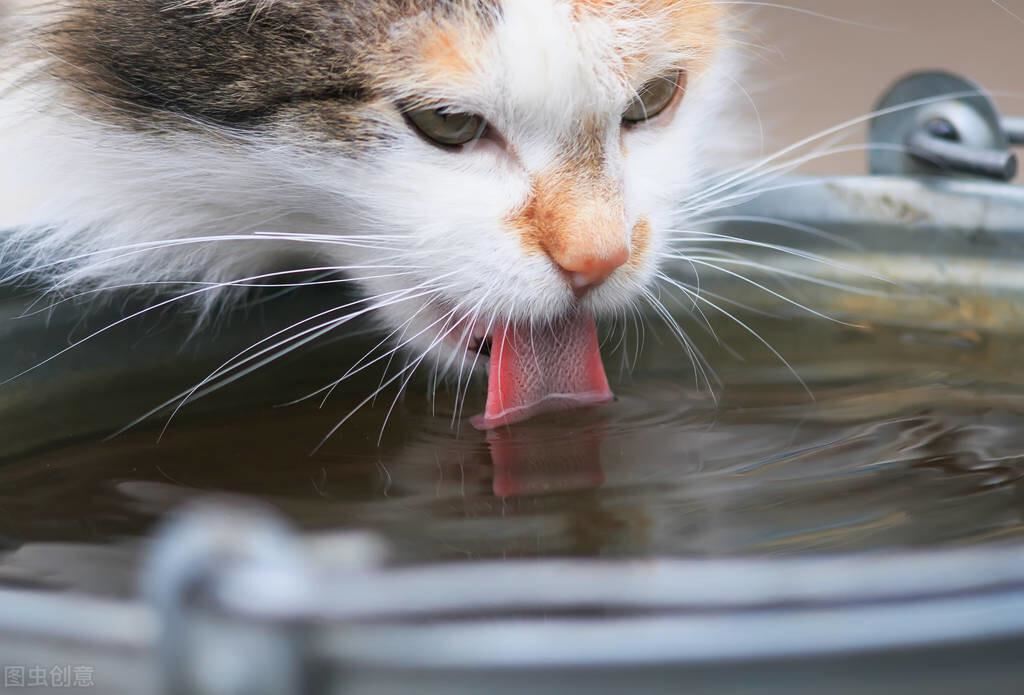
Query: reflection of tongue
{"type": "Point", "coordinates": [537, 370]}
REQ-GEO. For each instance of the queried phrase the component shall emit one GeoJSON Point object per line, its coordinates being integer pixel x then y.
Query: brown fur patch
{"type": "Point", "coordinates": [445, 54]}
{"type": "Point", "coordinates": [640, 243]}
{"type": "Point", "coordinates": [571, 218]}
{"type": "Point", "coordinates": [697, 26]}
{"type": "Point", "coordinates": [148, 63]}
{"type": "Point", "coordinates": [690, 28]}
{"type": "Point", "coordinates": [574, 215]}
{"type": "Point", "coordinates": [576, 212]}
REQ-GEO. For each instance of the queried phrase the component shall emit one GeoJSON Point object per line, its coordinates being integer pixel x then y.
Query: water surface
{"type": "Point", "coordinates": [896, 439]}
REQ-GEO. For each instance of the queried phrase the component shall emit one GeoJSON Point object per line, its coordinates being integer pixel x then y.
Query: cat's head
{"type": "Point", "coordinates": [505, 160]}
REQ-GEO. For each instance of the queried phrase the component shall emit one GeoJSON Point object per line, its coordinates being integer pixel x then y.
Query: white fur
{"type": "Point", "coordinates": [74, 187]}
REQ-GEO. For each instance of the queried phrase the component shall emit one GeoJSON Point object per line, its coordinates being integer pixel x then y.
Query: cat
{"type": "Point", "coordinates": [492, 174]}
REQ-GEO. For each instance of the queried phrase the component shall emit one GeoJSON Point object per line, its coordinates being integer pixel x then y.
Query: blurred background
{"type": "Point", "coordinates": [812, 72]}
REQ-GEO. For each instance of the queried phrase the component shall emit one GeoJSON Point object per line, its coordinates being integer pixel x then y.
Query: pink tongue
{"type": "Point", "coordinates": [543, 369]}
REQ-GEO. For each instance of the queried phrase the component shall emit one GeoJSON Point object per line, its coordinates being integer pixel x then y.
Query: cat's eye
{"type": "Point", "coordinates": [447, 128]}
{"type": "Point", "coordinates": [654, 98]}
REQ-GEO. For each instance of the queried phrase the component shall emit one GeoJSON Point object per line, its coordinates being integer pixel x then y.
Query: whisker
{"type": "Point", "coordinates": [777, 295]}
{"type": "Point", "coordinates": [727, 239]}
{"type": "Point", "coordinates": [298, 340]}
{"type": "Point", "coordinates": [445, 332]}
{"type": "Point", "coordinates": [806, 12]}
{"type": "Point", "coordinates": [700, 363]}
{"type": "Point", "coordinates": [1008, 11]}
{"type": "Point", "coordinates": [842, 126]}
{"type": "Point", "coordinates": [308, 335]}
{"type": "Point", "coordinates": [783, 272]}
{"type": "Point", "coordinates": [144, 246]}
{"type": "Point", "coordinates": [110, 326]}
{"type": "Point", "coordinates": [28, 313]}
{"type": "Point", "coordinates": [408, 368]}
{"type": "Point", "coordinates": [462, 393]}
{"type": "Point", "coordinates": [687, 291]}
{"type": "Point", "coordinates": [757, 336]}
{"type": "Point", "coordinates": [679, 284]}
{"type": "Point", "coordinates": [706, 200]}
{"type": "Point", "coordinates": [360, 366]}
{"type": "Point", "coordinates": [695, 307]}
{"type": "Point", "coordinates": [817, 232]}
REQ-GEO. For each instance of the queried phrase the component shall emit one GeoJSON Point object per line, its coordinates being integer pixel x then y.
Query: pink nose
{"type": "Point", "coordinates": [588, 271]}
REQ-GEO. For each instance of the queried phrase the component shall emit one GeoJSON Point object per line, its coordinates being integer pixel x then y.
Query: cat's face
{"type": "Point", "coordinates": [497, 159]}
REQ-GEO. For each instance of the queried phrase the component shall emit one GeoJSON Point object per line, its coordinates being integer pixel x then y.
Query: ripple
{"type": "Point", "coordinates": [921, 457]}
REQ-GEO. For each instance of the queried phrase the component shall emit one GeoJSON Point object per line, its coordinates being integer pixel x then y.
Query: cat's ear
{"type": "Point", "coordinates": [222, 8]}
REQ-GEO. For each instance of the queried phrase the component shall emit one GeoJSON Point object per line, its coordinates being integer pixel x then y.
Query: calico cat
{"type": "Point", "coordinates": [493, 174]}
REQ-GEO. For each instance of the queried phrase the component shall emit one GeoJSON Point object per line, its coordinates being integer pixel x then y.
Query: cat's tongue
{"type": "Point", "coordinates": [543, 369]}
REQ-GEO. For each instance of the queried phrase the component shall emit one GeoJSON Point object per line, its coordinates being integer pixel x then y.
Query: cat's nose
{"type": "Point", "coordinates": [588, 270]}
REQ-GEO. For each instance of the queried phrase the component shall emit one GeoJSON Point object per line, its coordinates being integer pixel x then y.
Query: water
{"type": "Point", "coordinates": [896, 439]}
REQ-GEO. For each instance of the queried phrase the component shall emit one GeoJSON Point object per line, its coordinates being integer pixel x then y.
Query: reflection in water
{"type": "Point", "coordinates": [525, 465]}
{"type": "Point", "coordinates": [906, 443]}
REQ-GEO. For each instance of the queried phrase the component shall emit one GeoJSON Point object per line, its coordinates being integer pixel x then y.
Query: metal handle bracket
{"type": "Point", "coordinates": [939, 124]}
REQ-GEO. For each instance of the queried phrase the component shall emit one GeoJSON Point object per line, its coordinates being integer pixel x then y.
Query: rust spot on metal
{"type": "Point", "coordinates": [968, 314]}
{"type": "Point", "coordinates": [885, 205]}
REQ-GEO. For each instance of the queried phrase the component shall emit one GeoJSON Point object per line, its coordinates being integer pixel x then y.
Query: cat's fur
{"type": "Point", "coordinates": [125, 124]}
